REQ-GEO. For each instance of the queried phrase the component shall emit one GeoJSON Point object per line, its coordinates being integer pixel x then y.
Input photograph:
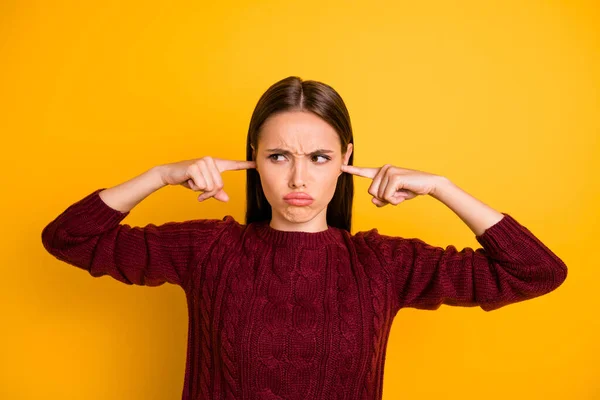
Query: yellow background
{"type": "Point", "coordinates": [502, 97]}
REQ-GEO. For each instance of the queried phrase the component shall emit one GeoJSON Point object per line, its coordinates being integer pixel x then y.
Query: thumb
{"type": "Point", "coordinates": [221, 195]}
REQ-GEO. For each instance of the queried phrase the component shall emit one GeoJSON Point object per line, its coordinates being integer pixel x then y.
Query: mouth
{"type": "Point", "coordinates": [298, 199]}
{"type": "Point", "coordinates": [299, 202]}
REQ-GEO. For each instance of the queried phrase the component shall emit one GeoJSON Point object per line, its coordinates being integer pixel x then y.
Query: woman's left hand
{"type": "Point", "coordinates": [393, 185]}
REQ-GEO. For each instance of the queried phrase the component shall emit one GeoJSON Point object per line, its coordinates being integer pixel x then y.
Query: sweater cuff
{"type": "Point", "coordinates": [506, 232]}
{"type": "Point", "coordinates": [500, 232]}
{"type": "Point", "coordinates": [92, 214]}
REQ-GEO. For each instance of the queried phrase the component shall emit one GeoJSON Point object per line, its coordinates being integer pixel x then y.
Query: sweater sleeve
{"type": "Point", "coordinates": [513, 266]}
{"type": "Point", "coordinates": [88, 235]}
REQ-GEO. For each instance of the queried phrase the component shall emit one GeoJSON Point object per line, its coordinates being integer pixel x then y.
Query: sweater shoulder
{"type": "Point", "coordinates": [202, 233]}
{"type": "Point", "coordinates": [373, 238]}
{"type": "Point", "coordinates": [228, 222]}
{"type": "Point", "coordinates": [225, 227]}
{"type": "Point", "coordinates": [374, 244]}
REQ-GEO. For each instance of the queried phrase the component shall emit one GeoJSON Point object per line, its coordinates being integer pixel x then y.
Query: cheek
{"type": "Point", "coordinates": [331, 175]}
{"type": "Point", "coordinates": [328, 181]}
{"type": "Point", "coordinates": [268, 181]}
{"type": "Point", "coordinates": [273, 178]}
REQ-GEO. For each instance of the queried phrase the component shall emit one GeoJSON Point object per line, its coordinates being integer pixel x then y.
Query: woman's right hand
{"type": "Point", "coordinates": [202, 174]}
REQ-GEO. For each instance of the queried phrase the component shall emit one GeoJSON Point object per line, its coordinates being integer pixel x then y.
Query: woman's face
{"type": "Point", "coordinates": [299, 152]}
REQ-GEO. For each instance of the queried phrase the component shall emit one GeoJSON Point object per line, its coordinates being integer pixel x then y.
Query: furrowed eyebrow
{"type": "Point", "coordinates": [287, 152]}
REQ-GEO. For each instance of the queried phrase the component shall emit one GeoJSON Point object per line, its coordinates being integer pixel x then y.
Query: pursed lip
{"type": "Point", "coordinates": [297, 195]}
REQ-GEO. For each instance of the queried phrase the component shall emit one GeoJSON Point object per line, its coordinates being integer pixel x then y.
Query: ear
{"type": "Point", "coordinates": [254, 158]}
{"type": "Point", "coordinates": [346, 157]}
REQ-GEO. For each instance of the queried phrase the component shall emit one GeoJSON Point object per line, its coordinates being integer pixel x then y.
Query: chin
{"type": "Point", "coordinates": [298, 214]}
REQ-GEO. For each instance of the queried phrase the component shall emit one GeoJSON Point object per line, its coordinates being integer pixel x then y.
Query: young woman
{"type": "Point", "coordinates": [290, 304]}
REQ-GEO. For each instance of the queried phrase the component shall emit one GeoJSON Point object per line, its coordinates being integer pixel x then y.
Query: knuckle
{"type": "Point", "coordinates": [194, 167]}
{"type": "Point", "coordinates": [385, 169]}
{"type": "Point", "coordinates": [200, 183]}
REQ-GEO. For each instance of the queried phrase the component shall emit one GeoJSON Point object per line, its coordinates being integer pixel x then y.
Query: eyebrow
{"type": "Point", "coordinates": [287, 152]}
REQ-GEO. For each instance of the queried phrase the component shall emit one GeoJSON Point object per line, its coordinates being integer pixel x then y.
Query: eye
{"type": "Point", "coordinates": [323, 156]}
{"type": "Point", "coordinates": [275, 155]}
{"type": "Point", "coordinates": [313, 158]}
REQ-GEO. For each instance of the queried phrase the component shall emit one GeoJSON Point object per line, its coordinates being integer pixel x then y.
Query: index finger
{"type": "Point", "coordinates": [230, 165]}
{"type": "Point", "coordinates": [360, 171]}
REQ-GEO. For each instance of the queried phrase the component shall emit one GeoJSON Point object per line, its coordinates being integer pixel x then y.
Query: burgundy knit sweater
{"type": "Point", "coordinates": [297, 315]}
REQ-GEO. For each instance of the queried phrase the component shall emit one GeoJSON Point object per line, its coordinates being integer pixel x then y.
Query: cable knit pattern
{"type": "Point", "coordinates": [297, 315]}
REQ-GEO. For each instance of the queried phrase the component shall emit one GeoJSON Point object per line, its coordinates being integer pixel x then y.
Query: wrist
{"type": "Point", "coordinates": [441, 183]}
{"type": "Point", "coordinates": [158, 173]}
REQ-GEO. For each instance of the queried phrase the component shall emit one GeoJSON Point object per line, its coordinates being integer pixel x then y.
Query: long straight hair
{"type": "Point", "coordinates": [294, 94]}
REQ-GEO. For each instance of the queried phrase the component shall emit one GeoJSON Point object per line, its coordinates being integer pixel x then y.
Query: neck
{"type": "Point", "coordinates": [316, 224]}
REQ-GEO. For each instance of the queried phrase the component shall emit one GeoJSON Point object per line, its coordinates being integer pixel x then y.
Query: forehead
{"type": "Point", "coordinates": [298, 131]}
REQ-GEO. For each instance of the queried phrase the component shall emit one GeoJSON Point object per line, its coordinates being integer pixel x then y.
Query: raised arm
{"type": "Point", "coordinates": [88, 234]}
{"type": "Point", "coordinates": [513, 265]}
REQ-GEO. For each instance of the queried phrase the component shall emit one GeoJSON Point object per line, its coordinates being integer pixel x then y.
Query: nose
{"type": "Point", "coordinates": [298, 172]}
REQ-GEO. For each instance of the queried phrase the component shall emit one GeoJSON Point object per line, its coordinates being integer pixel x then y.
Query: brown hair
{"type": "Point", "coordinates": [294, 94]}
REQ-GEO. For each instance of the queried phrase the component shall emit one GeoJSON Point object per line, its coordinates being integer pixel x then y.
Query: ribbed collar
{"type": "Point", "coordinates": [297, 238]}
